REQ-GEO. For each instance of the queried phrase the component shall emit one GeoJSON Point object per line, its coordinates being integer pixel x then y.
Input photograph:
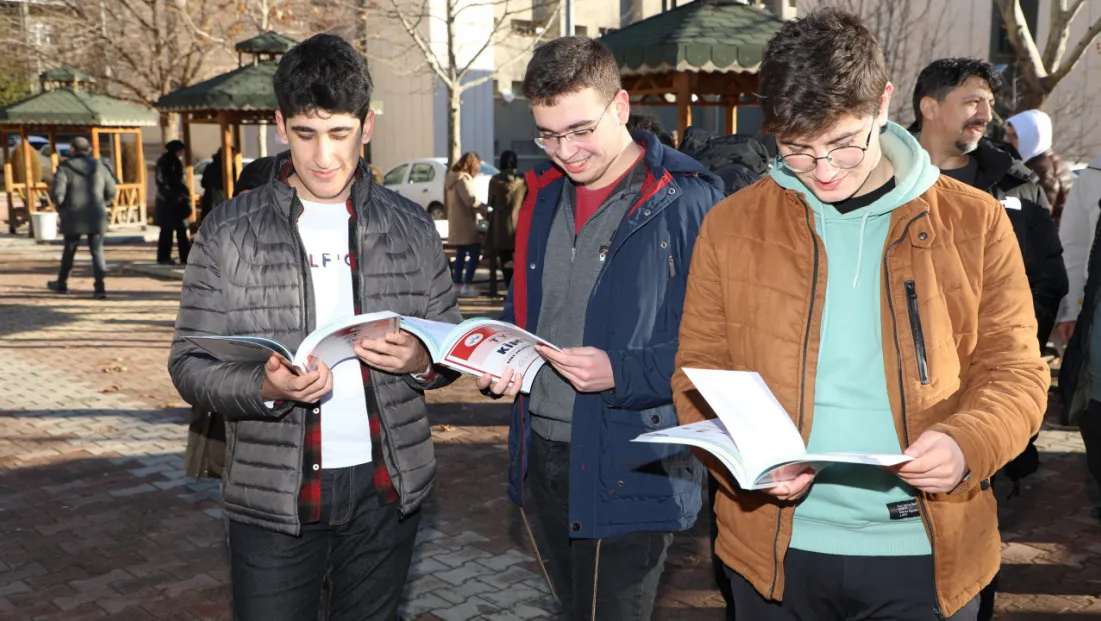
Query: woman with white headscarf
{"type": "Point", "coordinates": [1031, 133]}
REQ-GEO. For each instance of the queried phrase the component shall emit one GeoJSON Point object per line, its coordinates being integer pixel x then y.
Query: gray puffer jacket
{"type": "Point", "coordinates": [83, 190]}
{"type": "Point", "coordinates": [247, 275]}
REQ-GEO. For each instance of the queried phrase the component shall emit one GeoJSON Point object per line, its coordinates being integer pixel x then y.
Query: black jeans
{"type": "Point", "coordinates": [829, 587]}
{"type": "Point", "coordinates": [164, 243]}
{"type": "Point", "coordinates": [1090, 426]}
{"type": "Point", "coordinates": [99, 264]}
{"type": "Point", "coordinates": [360, 549]}
{"type": "Point", "coordinates": [621, 573]}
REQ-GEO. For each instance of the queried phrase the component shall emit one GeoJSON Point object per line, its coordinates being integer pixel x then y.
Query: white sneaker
{"type": "Point", "coordinates": [468, 291]}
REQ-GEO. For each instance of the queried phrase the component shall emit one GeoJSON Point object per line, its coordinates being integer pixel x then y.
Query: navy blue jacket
{"type": "Point", "coordinates": [618, 486]}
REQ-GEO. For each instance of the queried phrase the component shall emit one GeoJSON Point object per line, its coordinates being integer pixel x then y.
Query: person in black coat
{"type": "Point", "coordinates": [173, 204]}
{"type": "Point", "coordinates": [954, 107]}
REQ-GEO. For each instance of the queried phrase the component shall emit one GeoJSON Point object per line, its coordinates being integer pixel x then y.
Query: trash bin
{"type": "Point", "coordinates": [45, 225]}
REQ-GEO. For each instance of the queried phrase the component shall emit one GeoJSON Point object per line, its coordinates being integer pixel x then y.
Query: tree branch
{"type": "Point", "coordinates": [1020, 38]}
{"type": "Point", "coordinates": [1070, 60]}
{"type": "Point", "coordinates": [425, 48]}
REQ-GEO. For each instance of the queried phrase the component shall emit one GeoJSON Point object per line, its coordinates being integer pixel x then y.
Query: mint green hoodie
{"type": "Point", "coordinates": [846, 511]}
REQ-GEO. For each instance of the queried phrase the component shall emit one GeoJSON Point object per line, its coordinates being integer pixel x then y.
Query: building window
{"type": "Point", "coordinates": [524, 28]}
{"type": "Point", "coordinates": [581, 31]}
{"type": "Point", "coordinates": [604, 31]}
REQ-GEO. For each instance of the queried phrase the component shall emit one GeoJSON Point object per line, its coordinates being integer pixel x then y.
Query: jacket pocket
{"type": "Point", "coordinates": [631, 468]}
{"type": "Point", "coordinates": [916, 331]}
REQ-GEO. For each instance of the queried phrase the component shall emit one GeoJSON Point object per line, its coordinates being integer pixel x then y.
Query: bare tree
{"type": "Point", "coordinates": [139, 49]}
{"type": "Point", "coordinates": [415, 17]}
{"type": "Point", "coordinates": [1040, 72]}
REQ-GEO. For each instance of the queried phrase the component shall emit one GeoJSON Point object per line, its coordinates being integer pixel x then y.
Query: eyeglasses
{"type": "Point", "coordinates": [842, 158]}
{"type": "Point", "coordinates": [548, 142]}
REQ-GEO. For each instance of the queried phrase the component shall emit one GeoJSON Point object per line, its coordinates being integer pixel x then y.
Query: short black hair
{"type": "Point", "coordinates": [324, 73]}
{"type": "Point", "coordinates": [942, 76]}
{"type": "Point", "coordinates": [640, 121]}
{"type": "Point", "coordinates": [818, 69]}
{"type": "Point", "coordinates": [568, 65]}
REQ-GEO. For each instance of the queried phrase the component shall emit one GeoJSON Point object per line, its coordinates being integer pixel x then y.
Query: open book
{"type": "Point", "coordinates": [753, 436]}
{"type": "Point", "coordinates": [474, 347]}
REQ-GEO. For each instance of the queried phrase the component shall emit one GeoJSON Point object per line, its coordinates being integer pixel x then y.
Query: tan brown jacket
{"type": "Point", "coordinates": [463, 210]}
{"type": "Point", "coordinates": [755, 296]}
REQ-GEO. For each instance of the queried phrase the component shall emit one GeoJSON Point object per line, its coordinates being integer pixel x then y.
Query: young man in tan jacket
{"type": "Point", "coordinates": [887, 308]}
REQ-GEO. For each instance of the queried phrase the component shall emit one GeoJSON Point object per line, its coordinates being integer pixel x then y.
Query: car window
{"type": "Point", "coordinates": [200, 167]}
{"type": "Point", "coordinates": [422, 173]}
{"type": "Point", "coordinates": [45, 150]}
{"type": "Point", "coordinates": [488, 170]}
{"type": "Point", "coordinates": [395, 176]}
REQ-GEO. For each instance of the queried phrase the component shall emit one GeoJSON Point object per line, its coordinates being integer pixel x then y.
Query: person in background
{"type": "Point", "coordinates": [82, 190]}
{"type": "Point", "coordinates": [214, 185]}
{"type": "Point", "coordinates": [1030, 132]}
{"type": "Point", "coordinates": [1080, 374]}
{"type": "Point", "coordinates": [887, 308]}
{"type": "Point", "coordinates": [642, 122]}
{"type": "Point", "coordinates": [507, 190]}
{"type": "Point", "coordinates": [954, 104]}
{"type": "Point", "coordinates": [463, 211]}
{"type": "Point", "coordinates": [255, 174]}
{"type": "Point", "coordinates": [173, 204]}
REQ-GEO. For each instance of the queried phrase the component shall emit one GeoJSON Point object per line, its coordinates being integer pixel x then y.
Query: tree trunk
{"type": "Point", "coordinates": [454, 129]}
{"type": "Point", "coordinates": [1031, 98]}
{"type": "Point", "coordinates": [170, 127]}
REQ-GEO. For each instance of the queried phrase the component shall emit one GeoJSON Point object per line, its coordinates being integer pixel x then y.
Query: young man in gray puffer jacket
{"type": "Point", "coordinates": [325, 472]}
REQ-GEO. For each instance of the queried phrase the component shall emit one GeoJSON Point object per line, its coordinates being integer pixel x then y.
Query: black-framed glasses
{"type": "Point", "coordinates": [548, 142]}
{"type": "Point", "coordinates": [842, 158]}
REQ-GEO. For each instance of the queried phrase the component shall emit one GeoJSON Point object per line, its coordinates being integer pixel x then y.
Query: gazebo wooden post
{"type": "Point", "coordinates": [9, 181]}
{"type": "Point", "coordinates": [684, 103]}
{"type": "Point", "coordinates": [28, 182]}
{"type": "Point", "coordinates": [227, 151]}
{"type": "Point", "coordinates": [116, 153]}
{"type": "Point", "coordinates": [95, 142]}
{"type": "Point", "coordinates": [730, 117]}
{"type": "Point", "coordinates": [55, 159]}
{"type": "Point", "coordinates": [143, 194]}
{"type": "Point", "coordinates": [189, 172]}
{"type": "Point", "coordinates": [239, 147]}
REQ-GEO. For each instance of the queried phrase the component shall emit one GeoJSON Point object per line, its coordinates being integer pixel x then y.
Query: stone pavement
{"type": "Point", "coordinates": [98, 520]}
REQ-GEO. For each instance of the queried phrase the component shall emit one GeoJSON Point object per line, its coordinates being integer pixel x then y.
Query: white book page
{"type": "Point", "coordinates": [752, 416]}
{"type": "Point", "coordinates": [432, 333]}
{"type": "Point", "coordinates": [818, 461]}
{"type": "Point", "coordinates": [335, 341]}
{"type": "Point", "coordinates": [709, 435]}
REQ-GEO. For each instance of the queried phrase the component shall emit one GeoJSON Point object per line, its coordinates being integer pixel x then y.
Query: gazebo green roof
{"type": "Point", "coordinates": [266, 43]}
{"type": "Point", "coordinates": [66, 75]}
{"type": "Point", "coordinates": [705, 35]}
{"type": "Point", "coordinates": [248, 88]}
{"type": "Point", "coordinates": [65, 106]}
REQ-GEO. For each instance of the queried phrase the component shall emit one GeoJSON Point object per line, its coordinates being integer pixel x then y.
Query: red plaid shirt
{"type": "Point", "coordinates": [309, 496]}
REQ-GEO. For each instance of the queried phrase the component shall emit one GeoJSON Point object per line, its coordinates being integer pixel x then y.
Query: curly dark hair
{"type": "Point", "coordinates": [326, 73]}
{"type": "Point", "coordinates": [818, 69]}
{"type": "Point", "coordinates": [941, 76]}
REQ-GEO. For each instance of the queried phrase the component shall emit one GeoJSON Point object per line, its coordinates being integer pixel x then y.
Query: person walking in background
{"type": "Point", "coordinates": [463, 210]}
{"type": "Point", "coordinates": [173, 204]}
{"type": "Point", "coordinates": [506, 195]}
{"type": "Point", "coordinates": [1076, 230]}
{"type": "Point", "coordinates": [82, 190]}
{"type": "Point", "coordinates": [1030, 132]}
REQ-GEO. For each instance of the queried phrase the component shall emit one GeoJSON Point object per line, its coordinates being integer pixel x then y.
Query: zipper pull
{"type": "Point", "coordinates": [672, 268]}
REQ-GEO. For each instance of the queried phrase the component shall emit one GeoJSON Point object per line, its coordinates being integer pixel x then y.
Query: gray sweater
{"type": "Point", "coordinates": [574, 266]}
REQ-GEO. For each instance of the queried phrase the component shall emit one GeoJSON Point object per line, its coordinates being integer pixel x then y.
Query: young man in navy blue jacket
{"type": "Point", "coordinates": [603, 246]}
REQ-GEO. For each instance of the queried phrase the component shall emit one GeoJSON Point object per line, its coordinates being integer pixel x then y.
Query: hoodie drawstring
{"type": "Point", "coordinates": [859, 248]}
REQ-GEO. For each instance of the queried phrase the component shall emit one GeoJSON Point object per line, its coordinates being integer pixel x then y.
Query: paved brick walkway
{"type": "Point", "coordinates": [98, 520]}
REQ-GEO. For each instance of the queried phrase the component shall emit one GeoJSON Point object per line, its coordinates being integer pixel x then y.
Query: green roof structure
{"type": "Point", "coordinates": [701, 36]}
{"type": "Point", "coordinates": [78, 108]}
{"type": "Point", "coordinates": [266, 43]}
{"type": "Point", "coordinates": [67, 75]}
{"type": "Point", "coordinates": [248, 88]}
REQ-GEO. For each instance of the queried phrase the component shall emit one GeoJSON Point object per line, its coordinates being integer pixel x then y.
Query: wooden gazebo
{"type": "Point", "coordinates": [243, 96]}
{"type": "Point", "coordinates": [711, 49]}
{"type": "Point", "coordinates": [65, 106]}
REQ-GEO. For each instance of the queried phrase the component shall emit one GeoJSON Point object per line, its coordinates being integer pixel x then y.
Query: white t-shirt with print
{"type": "Point", "coordinates": [345, 430]}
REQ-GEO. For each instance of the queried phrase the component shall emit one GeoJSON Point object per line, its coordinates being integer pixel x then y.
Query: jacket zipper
{"type": "Point", "coordinates": [926, 517]}
{"type": "Point", "coordinates": [303, 299]}
{"type": "Point", "coordinates": [672, 267]}
{"type": "Point", "coordinates": [802, 386]}
{"type": "Point", "coordinates": [915, 329]}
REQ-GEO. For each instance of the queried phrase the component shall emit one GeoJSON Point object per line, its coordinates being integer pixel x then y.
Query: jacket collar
{"type": "Point", "coordinates": [999, 168]}
{"type": "Point", "coordinates": [363, 198]}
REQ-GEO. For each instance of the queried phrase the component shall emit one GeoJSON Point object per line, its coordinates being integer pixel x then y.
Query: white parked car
{"type": "Point", "coordinates": [421, 181]}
